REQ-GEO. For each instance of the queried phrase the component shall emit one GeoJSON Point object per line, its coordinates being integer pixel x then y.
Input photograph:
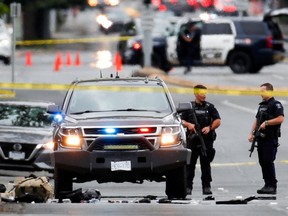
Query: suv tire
{"type": "Point", "coordinates": [7, 61]}
{"type": "Point", "coordinates": [176, 183]}
{"type": "Point", "coordinates": [255, 69]}
{"type": "Point", "coordinates": [239, 62]}
{"type": "Point", "coordinates": [62, 182]}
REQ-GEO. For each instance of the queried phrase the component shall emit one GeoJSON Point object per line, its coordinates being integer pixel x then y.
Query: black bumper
{"type": "Point", "coordinates": [99, 162]}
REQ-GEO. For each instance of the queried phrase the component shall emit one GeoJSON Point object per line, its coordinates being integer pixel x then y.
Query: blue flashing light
{"type": "Point", "coordinates": [58, 118]}
{"type": "Point", "coordinates": [110, 130]}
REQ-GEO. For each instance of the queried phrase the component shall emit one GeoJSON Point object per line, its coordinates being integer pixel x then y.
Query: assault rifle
{"type": "Point", "coordinates": [199, 132]}
{"type": "Point", "coordinates": [253, 144]}
{"type": "Point", "coordinates": [257, 133]}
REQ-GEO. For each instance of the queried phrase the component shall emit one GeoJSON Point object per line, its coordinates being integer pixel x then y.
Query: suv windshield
{"type": "Point", "coordinates": [119, 98]}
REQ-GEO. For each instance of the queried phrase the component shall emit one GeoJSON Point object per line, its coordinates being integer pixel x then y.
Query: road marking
{"type": "Point", "coordinates": [236, 106]}
{"type": "Point", "coordinates": [242, 164]}
{"type": "Point", "coordinates": [279, 77]}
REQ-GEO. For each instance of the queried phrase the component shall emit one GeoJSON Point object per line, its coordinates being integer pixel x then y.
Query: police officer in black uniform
{"type": "Point", "coordinates": [208, 119]}
{"type": "Point", "coordinates": [269, 117]}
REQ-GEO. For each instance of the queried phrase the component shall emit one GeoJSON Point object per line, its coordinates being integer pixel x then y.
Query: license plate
{"type": "Point", "coordinates": [16, 155]}
{"type": "Point", "coordinates": [121, 165]}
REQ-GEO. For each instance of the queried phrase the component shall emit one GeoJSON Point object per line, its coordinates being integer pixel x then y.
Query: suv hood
{"type": "Point", "coordinates": [24, 135]}
{"type": "Point", "coordinates": [120, 121]}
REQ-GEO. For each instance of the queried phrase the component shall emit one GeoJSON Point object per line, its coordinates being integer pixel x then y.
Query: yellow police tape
{"type": "Point", "coordinates": [177, 90]}
{"type": "Point", "coordinates": [72, 41]}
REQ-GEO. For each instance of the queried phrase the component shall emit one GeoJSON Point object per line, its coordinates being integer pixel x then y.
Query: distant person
{"type": "Point", "coordinates": [188, 46]}
{"type": "Point", "coordinates": [267, 123]}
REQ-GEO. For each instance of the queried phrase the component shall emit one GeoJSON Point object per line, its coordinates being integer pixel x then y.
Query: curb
{"type": "Point", "coordinates": [214, 89]}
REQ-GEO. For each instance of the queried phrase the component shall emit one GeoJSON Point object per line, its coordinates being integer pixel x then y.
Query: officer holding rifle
{"type": "Point", "coordinates": [266, 130]}
{"type": "Point", "coordinates": [201, 123]}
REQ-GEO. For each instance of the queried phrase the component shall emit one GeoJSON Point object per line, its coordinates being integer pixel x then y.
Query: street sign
{"type": "Point", "coordinates": [15, 9]}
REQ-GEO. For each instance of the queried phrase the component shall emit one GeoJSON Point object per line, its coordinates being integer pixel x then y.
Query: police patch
{"type": "Point", "coordinates": [278, 105]}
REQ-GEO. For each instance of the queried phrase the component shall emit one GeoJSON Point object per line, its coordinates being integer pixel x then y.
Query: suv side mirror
{"type": "Point", "coordinates": [182, 107]}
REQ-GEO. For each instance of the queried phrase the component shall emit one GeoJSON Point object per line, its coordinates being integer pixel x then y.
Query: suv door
{"type": "Point", "coordinates": [218, 38]}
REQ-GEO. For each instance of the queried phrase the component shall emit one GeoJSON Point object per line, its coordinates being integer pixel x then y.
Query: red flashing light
{"type": "Point", "coordinates": [229, 8]}
{"type": "Point", "coordinates": [144, 130]}
{"type": "Point", "coordinates": [207, 3]}
{"type": "Point", "coordinates": [162, 7]}
{"type": "Point", "coordinates": [192, 2]}
{"type": "Point", "coordinates": [269, 42]}
{"type": "Point", "coordinates": [137, 46]}
{"type": "Point", "coordinates": [156, 3]}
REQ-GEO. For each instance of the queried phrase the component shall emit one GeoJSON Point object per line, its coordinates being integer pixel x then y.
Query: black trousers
{"type": "Point", "coordinates": [267, 150]}
{"type": "Point", "coordinates": [205, 162]}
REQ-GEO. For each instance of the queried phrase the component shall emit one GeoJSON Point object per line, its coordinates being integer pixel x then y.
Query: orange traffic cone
{"type": "Point", "coordinates": [58, 62]}
{"type": "Point", "coordinates": [68, 59]}
{"type": "Point", "coordinates": [28, 58]}
{"type": "Point", "coordinates": [118, 62]}
{"type": "Point", "coordinates": [77, 60]}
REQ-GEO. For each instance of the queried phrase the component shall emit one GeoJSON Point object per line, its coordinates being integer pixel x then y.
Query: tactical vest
{"type": "Point", "coordinates": [202, 114]}
{"type": "Point", "coordinates": [265, 113]}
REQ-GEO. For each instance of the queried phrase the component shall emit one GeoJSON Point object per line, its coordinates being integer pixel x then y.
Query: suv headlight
{"type": "Point", "coordinates": [170, 136]}
{"type": "Point", "coordinates": [71, 137]}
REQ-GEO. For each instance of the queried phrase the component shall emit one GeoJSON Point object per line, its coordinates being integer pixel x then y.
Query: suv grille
{"type": "Point", "coordinates": [150, 133]}
{"type": "Point", "coordinates": [102, 131]}
{"type": "Point", "coordinates": [26, 148]}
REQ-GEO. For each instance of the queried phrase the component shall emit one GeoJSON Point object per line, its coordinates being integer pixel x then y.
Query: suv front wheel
{"type": "Point", "coordinates": [239, 62]}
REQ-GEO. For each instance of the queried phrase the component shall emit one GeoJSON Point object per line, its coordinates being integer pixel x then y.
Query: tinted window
{"type": "Point", "coordinates": [216, 28]}
{"type": "Point", "coordinates": [253, 28]}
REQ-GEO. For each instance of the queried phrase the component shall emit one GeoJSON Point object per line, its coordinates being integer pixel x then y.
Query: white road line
{"type": "Point", "coordinates": [236, 106]}
{"type": "Point", "coordinates": [279, 77]}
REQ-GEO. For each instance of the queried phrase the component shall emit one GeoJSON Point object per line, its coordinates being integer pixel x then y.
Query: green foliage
{"type": "Point", "coordinates": [3, 9]}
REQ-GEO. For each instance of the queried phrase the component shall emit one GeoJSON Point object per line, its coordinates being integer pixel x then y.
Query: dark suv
{"type": "Point", "coordinates": [117, 130]}
{"type": "Point", "coordinates": [244, 44]}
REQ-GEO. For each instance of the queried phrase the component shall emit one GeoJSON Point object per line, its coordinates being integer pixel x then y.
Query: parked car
{"type": "Point", "coordinates": [244, 44]}
{"type": "Point", "coordinates": [25, 136]}
{"type": "Point", "coordinates": [112, 20]}
{"type": "Point", "coordinates": [131, 50]}
{"type": "Point", "coordinates": [105, 133]}
{"type": "Point", "coordinates": [5, 44]}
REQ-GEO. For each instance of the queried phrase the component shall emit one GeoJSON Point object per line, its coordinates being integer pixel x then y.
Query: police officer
{"type": "Point", "coordinates": [188, 45]}
{"type": "Point", "coordinates": [269, 117]}
{"type": "Point", "coordinates": [208, 120]}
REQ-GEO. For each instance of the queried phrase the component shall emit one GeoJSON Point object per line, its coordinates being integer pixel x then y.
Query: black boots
{"type": "Point", "coordinates": [267, 190]}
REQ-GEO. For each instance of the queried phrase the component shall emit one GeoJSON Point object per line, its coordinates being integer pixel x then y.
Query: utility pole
{"type": "Point", "coordinates": [15, 11]}
{"type": "Point", "coordinates": [147, 25]}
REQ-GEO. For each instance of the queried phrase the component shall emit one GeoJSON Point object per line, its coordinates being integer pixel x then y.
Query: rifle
{"type": "Point", "coordinates": [256, 134]}
{"type": "Point", "coordinates": [199, 132]}
{"type": "Point", "coordinates": [253, 144]}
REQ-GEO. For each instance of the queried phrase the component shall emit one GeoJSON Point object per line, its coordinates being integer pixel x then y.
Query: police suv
{"type": "Point", "coordinates": [119, 130]}
{"type": "Point", "coordinates": [244, 44]}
